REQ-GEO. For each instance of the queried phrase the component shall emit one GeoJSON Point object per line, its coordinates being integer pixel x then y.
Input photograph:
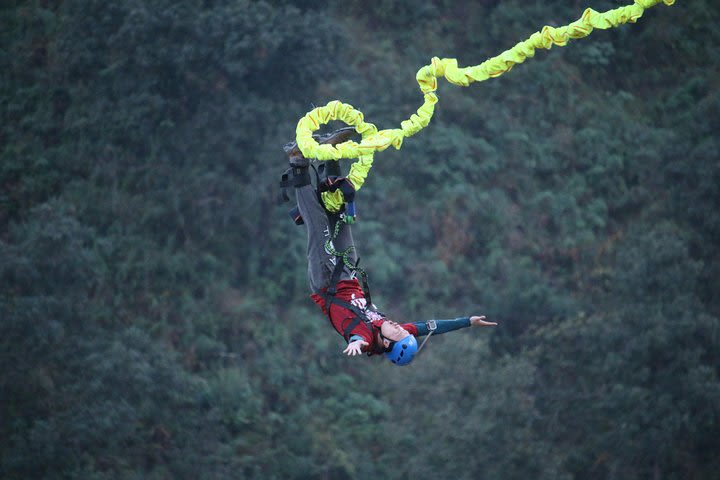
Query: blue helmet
{"type": "Point", "coordinates": [403, 351]}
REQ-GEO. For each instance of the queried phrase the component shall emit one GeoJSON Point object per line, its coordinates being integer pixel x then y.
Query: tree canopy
{"type": "Point", "coordinates": [154, 312]}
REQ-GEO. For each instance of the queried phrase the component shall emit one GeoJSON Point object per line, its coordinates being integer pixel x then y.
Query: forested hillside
{"type": "Point", "coordinates": [154, 312]}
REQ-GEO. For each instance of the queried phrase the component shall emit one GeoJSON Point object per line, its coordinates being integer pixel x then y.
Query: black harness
{"type": "Point", "coordinates": [330, 299]}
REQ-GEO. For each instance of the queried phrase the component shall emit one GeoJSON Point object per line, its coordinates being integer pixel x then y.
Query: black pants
{"type": "Point", "coordinates": [319, 227]}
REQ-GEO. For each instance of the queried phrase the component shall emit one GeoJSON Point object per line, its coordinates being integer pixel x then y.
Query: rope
{"type": "Point", "coordinates": [376, 141]}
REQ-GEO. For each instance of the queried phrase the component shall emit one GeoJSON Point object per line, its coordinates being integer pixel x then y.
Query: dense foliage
{"type": "Point", "coordinates": [154, 319]}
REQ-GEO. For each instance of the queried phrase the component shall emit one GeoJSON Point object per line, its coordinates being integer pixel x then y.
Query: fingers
{"type": "Point", "coordinates": [355, 348]}
{"type": "Point", "coordinates": [352, 350]}
{"type": "Point", "coordinates": [483, 323]}
{"type": "Point", "coordinates": [479, 321]}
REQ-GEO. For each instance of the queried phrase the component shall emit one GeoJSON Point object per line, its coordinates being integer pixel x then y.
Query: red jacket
{"type": "Point", "coordinates": [341, 317]}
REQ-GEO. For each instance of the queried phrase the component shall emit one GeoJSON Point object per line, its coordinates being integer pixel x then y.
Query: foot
{"type": "Point", "coordinates": [333, 138]}
{"type": "Point", "coordinates": [298, 161]}
{"type": "Point", "coordinates": [338, 136]}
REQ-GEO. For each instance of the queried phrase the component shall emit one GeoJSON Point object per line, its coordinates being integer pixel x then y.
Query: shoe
{"type": "Point", "coordinates": [338, 136]}
{"type": "Point", "coordinates": [333, 138]}
{"type": "Point", "coordinates": [299, 161]}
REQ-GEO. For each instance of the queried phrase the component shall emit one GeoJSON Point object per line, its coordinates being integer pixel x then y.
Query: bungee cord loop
{"type": "Point", "coordinates": [374, 140]}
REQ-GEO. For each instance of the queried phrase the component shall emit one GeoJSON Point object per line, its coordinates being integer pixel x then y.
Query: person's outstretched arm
{"type": "Point", "coordinates": [445, 326]}
{"type": "Point", "coordinates": [357, 343]}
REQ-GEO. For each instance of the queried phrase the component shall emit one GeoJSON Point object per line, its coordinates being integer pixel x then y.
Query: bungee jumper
{"type": "Point", "coordinates": [333, 266]}
{"type": "Point", "coordinates": [328, 211]}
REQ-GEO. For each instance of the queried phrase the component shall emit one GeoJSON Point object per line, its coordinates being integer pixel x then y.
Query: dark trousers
{"type": "Point", "coordinates": [319, 229]}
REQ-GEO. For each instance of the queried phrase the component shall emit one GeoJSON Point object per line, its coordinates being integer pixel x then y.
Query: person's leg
{"type": "Point", "coordinates": [320, 263]}
{"type": "Point", "coordinates": [343, 241]}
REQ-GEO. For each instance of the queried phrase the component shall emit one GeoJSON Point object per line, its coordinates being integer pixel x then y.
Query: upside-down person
{"type": "Point", "coordinates": [336, 290]}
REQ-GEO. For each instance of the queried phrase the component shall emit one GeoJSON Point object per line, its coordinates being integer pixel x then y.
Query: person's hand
{"type": "Point", "coordinates": [476, 321]}
{"type": "Point", "coordinates": [355, 348]}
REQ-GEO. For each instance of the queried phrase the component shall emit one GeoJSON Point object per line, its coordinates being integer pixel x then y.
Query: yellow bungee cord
{"type": "Point", "coordinates": [374, 140]}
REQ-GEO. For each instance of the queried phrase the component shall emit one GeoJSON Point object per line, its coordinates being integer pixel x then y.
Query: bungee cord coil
{"type": "Point", "coordinates": [374, 140]}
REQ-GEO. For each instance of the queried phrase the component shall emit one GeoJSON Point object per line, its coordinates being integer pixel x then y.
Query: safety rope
{"type": "Point", "coordinates": [376, 141]}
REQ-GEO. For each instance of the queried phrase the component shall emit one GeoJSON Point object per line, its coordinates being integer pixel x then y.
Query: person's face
{"type": "Point", "coordinates": [392, 332]}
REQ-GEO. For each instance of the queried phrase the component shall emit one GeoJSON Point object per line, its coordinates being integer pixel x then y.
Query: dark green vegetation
{"type": "Point", "coordinates": [154, 319]}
